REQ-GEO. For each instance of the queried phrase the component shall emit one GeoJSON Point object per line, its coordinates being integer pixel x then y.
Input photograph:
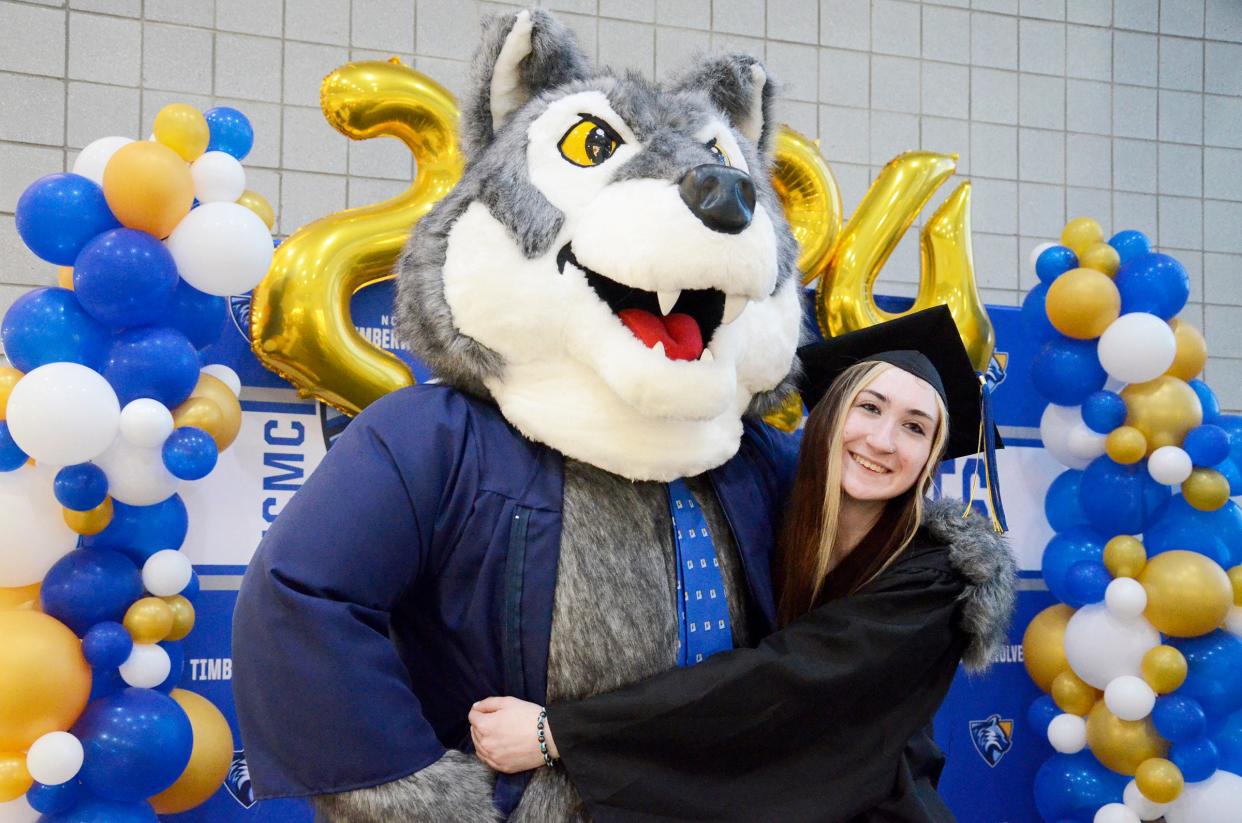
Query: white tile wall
{"type": "Point", "coordinates": [1128, 110]}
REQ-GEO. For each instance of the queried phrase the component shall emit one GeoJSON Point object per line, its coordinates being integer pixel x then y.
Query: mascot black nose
{"type": "Point", "coordinates": [721, 196]}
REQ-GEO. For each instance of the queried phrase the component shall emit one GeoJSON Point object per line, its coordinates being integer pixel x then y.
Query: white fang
{"type": "Point", "coordinates": [734, 305]}
{"type": "Point", "coordinates": [668, 299]}
{"type": "Point", "coordinates": [706, 356]}
{"type": "Point", "coordinates": [658, 348]}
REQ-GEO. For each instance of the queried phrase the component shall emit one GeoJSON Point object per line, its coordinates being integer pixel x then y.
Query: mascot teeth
{"type": "Point", "coordinates": [707, 356]}
{"type": "Point", "coordinates": [734, 305]}
{"type": "Point", "coordinates": [668, 299]}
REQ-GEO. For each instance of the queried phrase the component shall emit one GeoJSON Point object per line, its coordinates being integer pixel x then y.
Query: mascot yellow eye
{"type": "Point", "coordinates": [589, 143]}
{"type": "Point", "coordinates": [721, 157]}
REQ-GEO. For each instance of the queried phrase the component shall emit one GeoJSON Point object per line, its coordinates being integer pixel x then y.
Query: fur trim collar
{"type": "Point", "coordinates": [982, 556]}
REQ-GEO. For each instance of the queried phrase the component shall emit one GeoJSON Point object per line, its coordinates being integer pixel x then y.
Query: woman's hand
{"type": "Point", "coordinates": [505, 734]}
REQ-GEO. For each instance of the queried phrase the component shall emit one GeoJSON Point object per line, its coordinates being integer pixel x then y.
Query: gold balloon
{"type": "Point", "coordinates": [19, 597]}
{"type": "Point", "coordinates": [90, 522]}
{"type": "Point", "coordinates": [1159, 780]}
{"type": "Point", "coordinates": [299, 319]}
{"type": "Point", "coordinates": [1124, 556]}
{"type": "Point", "coordinates": [1081, 303]}
{"type": "Point", "coordinates": [1101, 257]}
{"type": "Point", "coordinates": [44, 680]}
{"type": "Point", "coordinates": [183, 129]}
{"type": "Point", "coordinates": [149, 620]}
{"type": "Point", "coordinates": [199, 412]}
{"type": "Point", "coordinates": [183, 616]}
{"type": "Point", "coordinates": [1125, 445]}
{"type": "Point", "coordinates": [1164, 669]}
{"type": "Point", "coordinates": [8, 379]}
{"type": "Point", "coordinates": [1206, 489]}
{"type": "Point", "coordinates": [1043, 645]}
{"type": "Point", "coordinates": [1163, 409]}
{"type": "Point", "coordinates": [1191, 353]}
{"type": "Point", "coordinates": [64, 277]}
{"type": "Point", "coordinates": [844, 301]}
{"type": "Point", "coordinates": [1188, 594]}
{"type": "Point", "coordinates": [1081, 233]}
{"type": "Point", "coordinates": [258, 204]}
{"type": "Point", "coordinates": [811, 198]}
{"type": "Point", "coordinates": [148, 187]}
{"type": "Point", "coordinates": [210, 757]}
{"type": "Point", "coordinates": [212, 407]}
{"type": "Point", "coordinates": [1072, 694]}
{"type": "Point", "coordinates": [1235, 577]}
{"type": "Point", "coordinates": [1122, 745]}
{"type": "Point", "coordinates": [788, 416]}
{"type": "Point", "coordinates": [15, 779]}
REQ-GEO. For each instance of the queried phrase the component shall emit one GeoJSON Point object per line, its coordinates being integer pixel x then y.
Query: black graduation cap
{"type": "Point", "coordinates": [925, 343]}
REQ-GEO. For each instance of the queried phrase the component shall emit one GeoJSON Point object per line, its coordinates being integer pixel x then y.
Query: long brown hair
{"type": "Point", "coordinates": [809, 569]}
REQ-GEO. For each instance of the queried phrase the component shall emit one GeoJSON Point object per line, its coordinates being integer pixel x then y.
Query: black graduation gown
{"type": "Point", "coordinates": [826, 720]}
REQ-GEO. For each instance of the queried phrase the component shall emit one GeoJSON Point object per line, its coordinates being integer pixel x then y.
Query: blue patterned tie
{"type": "Point", "coordinates": [703, 610]}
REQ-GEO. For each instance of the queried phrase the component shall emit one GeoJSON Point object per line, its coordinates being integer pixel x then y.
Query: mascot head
{"type": "Point", "coordinates": [614, 269]}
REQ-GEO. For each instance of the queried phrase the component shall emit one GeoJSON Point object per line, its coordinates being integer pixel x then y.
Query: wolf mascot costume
{"type": "Point", "coordinates": [608, 298]}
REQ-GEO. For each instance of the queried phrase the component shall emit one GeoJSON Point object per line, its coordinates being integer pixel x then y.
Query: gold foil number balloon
{"type": "Point", "coordinates": [300, 323]}
{"type": "Point", "coordinates": [811, 199]}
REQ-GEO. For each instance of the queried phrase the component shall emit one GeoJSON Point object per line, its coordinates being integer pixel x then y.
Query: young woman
{"type": "Point", "coordinates": [881, 594]}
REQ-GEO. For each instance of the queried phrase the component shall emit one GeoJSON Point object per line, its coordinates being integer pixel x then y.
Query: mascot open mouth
{"type": "Point", "coordinates": [678, 323]}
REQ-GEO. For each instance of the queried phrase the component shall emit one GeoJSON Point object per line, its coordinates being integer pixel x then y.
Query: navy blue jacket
{"type": "Point", "coordinates": [412, 575]}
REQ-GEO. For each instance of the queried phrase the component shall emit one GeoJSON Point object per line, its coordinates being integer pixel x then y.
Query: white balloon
{"type": "Point", "coordinates": [1115, 813]}
{"type": "Point", "coordinates": [1215, 800]}
{"type": "Point", "coordinates": [1140, 805]}
{"type": "Point", "coordinates": [136, 475]}
{"type": "Point", "coordinates": [225, 375]}
{"type": "Point", "coordinates": [94, 158]}
{"type": "Point", "coordinates": [1057, 426]}
{"type": "Point", "coordinates": [18, 811]}
{"type": "Point", "coordinates": [1169, 465]}
{"type": "Point", "coordinates": [1129, 697]}
{"type": "Point", "coordinates": [146, 422]}
{"type": "Point", "coordinates": [54, 758]}
{"type": "Point", "coordinates": [1068, 733]}
{"type": "Point", "coordinates": [1114, 385]}
{"type": "Point", "coordinates": [1125, 598]}
{"type": "Point", "coordinates": [146, 667]}
{"type": "Point", "coordinates": [1137, 347]}
{"type": "Point", "coordinates": [166, 572]}
{"type": "Point", "coordinates": [1084, 443]}
{"type": "Point", "coordinates": [218, 177]}
{"type": "Point", "coordinates": [1101, 647]}
{"type": "Point", "coordinates": [63, 413]}
{"type": "Point", "coordinates": [34, 535]}
{"type": "Point", "coordinates": [1037, 251]}
{"type": "Point", "coordinates": [1233, 623]}
{"type": "Point", "coordinates": [221, 248]}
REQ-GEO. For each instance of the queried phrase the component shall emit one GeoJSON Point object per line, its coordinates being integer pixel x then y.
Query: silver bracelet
{"type": "Point", "coordinates": [548, 760]}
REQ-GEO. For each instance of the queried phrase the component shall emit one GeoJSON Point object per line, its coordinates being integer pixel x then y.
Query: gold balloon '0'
{"type": "Point", "coordinates": [811, 199]}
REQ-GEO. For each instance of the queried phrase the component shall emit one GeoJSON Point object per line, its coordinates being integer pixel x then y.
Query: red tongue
{"type": "Point", "coordinates": [679, 333]}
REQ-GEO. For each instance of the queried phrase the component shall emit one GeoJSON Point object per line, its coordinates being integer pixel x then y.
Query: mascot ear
{"type": "Point", "coordinates": [739, 86]}
{"type": "Point", "coordinates": [521, 55]}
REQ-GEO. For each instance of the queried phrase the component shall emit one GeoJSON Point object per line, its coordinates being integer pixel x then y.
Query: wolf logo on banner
{"type": "Point", "coordinates": [993, 738]}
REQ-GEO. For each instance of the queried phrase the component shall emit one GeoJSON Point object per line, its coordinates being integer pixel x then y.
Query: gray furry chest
{"type": "Point", "coordinates": [614, 619]}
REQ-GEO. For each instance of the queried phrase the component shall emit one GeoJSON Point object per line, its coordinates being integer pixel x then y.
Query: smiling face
{"type": "Point", "coordinates": [888, 436]}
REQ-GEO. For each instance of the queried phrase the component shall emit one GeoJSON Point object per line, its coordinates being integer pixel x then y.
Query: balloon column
{"type": "Point", "coordinates": [105, 410]}
{"type": "Point", "coordinates": [1142, 659]}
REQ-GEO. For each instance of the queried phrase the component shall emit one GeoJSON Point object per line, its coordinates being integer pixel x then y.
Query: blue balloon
{"type": "Point", "coordinates": [1214, 672]}
{"type": "Point", "coordinates": [1035, 315]}
{"type": "Point", "coordinates": [107, 645]}
{"type": "Point", "coordinates": [1207, 445]}
{"type": "Point", "coordinates": [101, 810]}
{"type": "Point", "coordinates": [1085, 582]}
{"type": "Point", "coordinates": [81, 487]}
{"type": "Point", "coordinates": [1228, 740]}
{"type": "Point", "coordinates": [57, 215]}
{"type": "Point", "coordinates": [1063, 551]}
{"type": "Point", "coordinates": [1119, 499]}
{"type": "Point", "coordinates": [1061, 504]}
{"type": "Point", "coordinates": [152, 361]}
{"type": "Point", "coordinates": [1043, 709]}
{"type": "Point", "coordinates": [124, 278]}
{"type": "Point", "coordinates": [1053, 262]}
{"type": "Point", "coordinates": [1178, 718]}
{"type": "Point", "coordinates": [1217, 534]}
{"type": "Point", "coordinates": [54, 799]}
{"type": "Point", "coordinates": [230, 131]}
{"type": "Point", "coordinates": [11, 455]}
{"type": "Point", "coordinates": [50, 326]}
{"type": "Point", "coordinates": [191, 590]}
{"type": "Point", "coordinates": [1232, 473]}
{"type": "Point", "coordinates": [1074, 786]}
{"type": "Point", "coordinates": [136, 743]}
{"type": "Point", "coordinates": [176, 657]}
{"type": "Point", "coordinates": [1153, 283]}
{"type": "Point", "coordinates": [1232, 424]}
{"type": "Point", "coordinates": [1207, 399]}
{"type": "Point", "coordinates": [1130, 244]}
{"type": "Point", "coordinates": [140, 531]}
{"type": "Point", "coordinates": [1067, 371]}
{"type": "Point", "coordinates": [88, 586]}
{"type": "Point", "coordinates": [1197, 759]}
{"type": "Point", "coordinates": [190, 453]}
{"type": "Point", "coordinates": [1103, 411]}
{"type": "Point", "coordinates": [197, 315]}
{"type": "Point", "coordinates": [105, 683]}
